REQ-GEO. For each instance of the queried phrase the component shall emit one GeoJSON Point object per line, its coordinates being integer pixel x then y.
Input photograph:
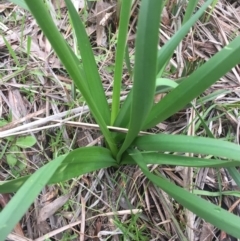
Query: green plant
{"type": "Point", "coordinates": [12, 150]}
{"type": "Point", "coordinates": [131, 231]}
{"type": "Point", "coordinates": [136, 113]}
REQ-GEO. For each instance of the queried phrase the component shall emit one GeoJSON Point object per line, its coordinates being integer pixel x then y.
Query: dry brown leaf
{"type": "Point", "coordinates": [15, 123]}
{"type": "Point", "coordinates": [228, 29]}
{"type": "Point", "coordinates": [58, 4]}
{"type": "Point", "coordinates": [48, 46]}
{"type": "Point", "coordinates": [158, 97]}
{"type": "Point", "coordinates": [49, 196]}
{"type": "Point", "coordinates": [49, 209]}
{"type": "Point", "coordinates": [16, 237]}
{"type": "Point", "coordinates": [207, 47]}
{"type": "Point", "coordinates": [4, 6]}
{"type": "Point", "coordinates": [44, 227]}
{"type": "Point", "coordinates": [101, 34]}
{"type": "Point", "coordinates": [35, 50]}
{"type": "Point", "coordinates": [165, 17]}
{"type": "Point", "coordinates": [105, 19]}
{"type": "Point", "coordinates": [16, 103]}
{"type": "Point", "coordinates": [91, 29]}
{"type": "Point", "coordinates": [98, 226]}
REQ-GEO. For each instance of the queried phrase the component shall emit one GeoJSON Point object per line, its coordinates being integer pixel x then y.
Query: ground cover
{"type": "Point", "coordinates": [37, 100]}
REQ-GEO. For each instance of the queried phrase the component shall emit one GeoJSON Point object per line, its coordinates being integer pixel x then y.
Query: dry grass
{"type": "Point", "coordinates": [35, 98]}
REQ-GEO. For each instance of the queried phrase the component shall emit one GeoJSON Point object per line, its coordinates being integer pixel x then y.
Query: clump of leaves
{"type": "Point", "coordinates": [138, 112]}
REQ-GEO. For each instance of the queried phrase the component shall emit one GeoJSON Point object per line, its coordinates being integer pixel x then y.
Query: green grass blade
{"type": "Point", "coordinates": [176, 160]}
{"type": "Point", "coordinates": [196, 83]}
{"type": "Point", "coordinates": [219, 217]}
{"type": "Point", "coordinates": [29, 42]}
{"type": "Point", "coordinates": [145, 67]}
{"type": "Point", "coordinates": [120, 53]}
{"type": "Point", "coordinates": [123, 117]}
{"type": "Point", "coordinates": [90, 68]}
{"type": "Point", "coordinates": [189, 11]}
{"type": "Point", "coordinates": [188, 144]}
{"type": "Point", "coordinates": [128, 62]}
{"type": "Point", "coordinates": [76, 163]}
{"type": "Point", "coordinates": [11, 51]}
{"type": "Point", "coordinates": [234, 174]}
{"type": "Point", "coordinates": [19, 204]}
{"type": "Point", "coordinates": [70, 62]}
{"type": "Point", "coordinates": [20, 3]}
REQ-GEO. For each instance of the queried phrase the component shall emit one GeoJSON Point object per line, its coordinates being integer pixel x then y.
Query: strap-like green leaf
{"type": "Point", "coordinates": [145, 67]}
{"type": "Point", "coordinates": [188, 144]}
{"type": "Point", "coordinates": [19, 204]}
{"type": "Point", "coordinates": [71, 64]}
{"type": "Point", "coordinates": [176, 160]}
{"type": "Point", "coordinates": [189, 11]}
{"type": "Point", "coordinates": [234, 174]}
{"type": "Point", "coordinates": [76, 163]}
{"type": "Point", "coordinates": [90, 68]}
{"type": "Point", "coordinates": [196, 83]}
{"type": "Point", "coordinates": [219, 217]}
{"type": "Point", "coordinates": [20, 3]}
{"type": "Point", "coordinates": [120, 52]}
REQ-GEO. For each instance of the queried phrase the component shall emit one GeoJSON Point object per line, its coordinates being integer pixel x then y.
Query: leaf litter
{"type": "Point", "coordinates": [36, 99]}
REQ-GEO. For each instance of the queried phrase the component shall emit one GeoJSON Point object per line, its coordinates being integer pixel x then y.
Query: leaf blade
{"type": "Point", "coordinates": [20, 3]}
{"type": "Point", "coordinates": [195, 84]}
{"type": "Point", "coordinates": [71, 64]}
{"type": "Point", "coordinates": [78, 162]}
{"type": "Point", "coordinates": [90, 68]}
{"type": "Point", "coordinates": [145, 68]}
{"type": "Point", "coordinates": [31, 188]}
{"type": "Point", "coordinates": [176, 160]}
{"type": "Point", "coordinates": [188, 144]}
{"type": "Point", "coordinates": [219, 217]}
{"type": "Point", "coordinates": [120, 52]}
